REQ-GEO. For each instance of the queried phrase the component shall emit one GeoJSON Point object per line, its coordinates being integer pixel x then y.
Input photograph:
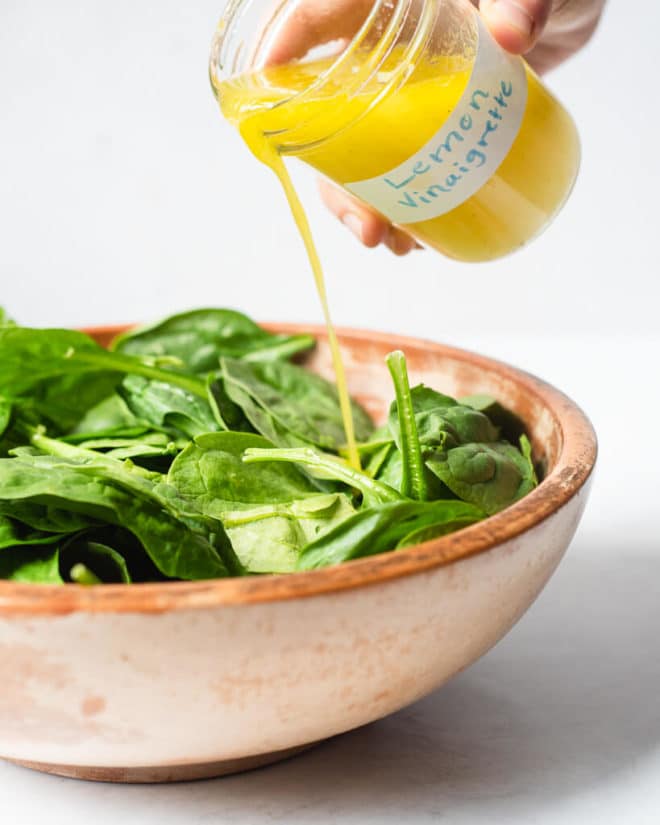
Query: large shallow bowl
{"type": "Point", "coordinates": [159, 682]}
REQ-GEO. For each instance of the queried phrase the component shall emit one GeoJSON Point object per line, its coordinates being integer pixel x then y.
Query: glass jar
{"type": "Point", "coordinates": [415, 110]}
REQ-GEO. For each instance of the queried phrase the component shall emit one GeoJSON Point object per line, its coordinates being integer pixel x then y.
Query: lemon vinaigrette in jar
{"type": "Point", "coordinates": [411, 106]}
{"type": "Point", "coordinates": [419, 114]}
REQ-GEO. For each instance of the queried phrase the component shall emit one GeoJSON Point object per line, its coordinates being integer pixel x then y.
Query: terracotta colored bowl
{"type": "Point", "coordinates": [170, 681]}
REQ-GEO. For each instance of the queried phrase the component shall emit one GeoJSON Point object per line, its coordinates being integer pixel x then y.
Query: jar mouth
{"type": "Point", "coordinates": [234, 54]}
{"type": "Point", "coordinates": [229, 58]}
{"type": "Point", "coordinates": [231, 55]}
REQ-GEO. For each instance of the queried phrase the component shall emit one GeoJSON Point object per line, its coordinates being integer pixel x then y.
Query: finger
{"type": "Point", "coordinates": [516, 24]}
{"type": "Point", "coordinates": [316, 22]}
{"type": "Point", "coordinates": [400, 242]}
{"type": "Point", "coordinates": [367, 226]}
{"type": "Point", "coordinates": [571, 26]}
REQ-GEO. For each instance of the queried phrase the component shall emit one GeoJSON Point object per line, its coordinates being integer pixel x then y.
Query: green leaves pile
{"type": "Point", "coordinates": [195, 448]}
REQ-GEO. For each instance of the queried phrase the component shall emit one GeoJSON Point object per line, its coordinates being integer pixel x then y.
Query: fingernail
{"type": "Point", "coordinates": [514, 16]}
{"type": "Point", "coordinates": [352, 222]}
{"type": "Point", "coordinates": [400, 244]}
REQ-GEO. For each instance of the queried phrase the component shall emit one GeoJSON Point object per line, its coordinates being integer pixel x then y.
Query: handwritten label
{"type": "Point", "coordinates": [466, 152]}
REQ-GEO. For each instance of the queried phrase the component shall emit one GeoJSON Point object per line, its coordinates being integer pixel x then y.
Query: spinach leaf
{"type": "Point", "coordinates": [5, 415]}
{"type": "Point", "coordinates": [268, 539]}
{"type": "Point", "coordinates": [434, 531]}
{"type": "Point", "coordinates": [61, 400]}
{"type": "Point", "coordinates": [324, 466]}
{"type": "Point", "coordinates": [391, 473]}
{"type": "Point", "coordinates": [443, 422]}
{"type": "Point", "coordinates": [228, 415]}
{"type": "Point", "coordinates": [167, 407]}
{"type": "Point", "coordinates": [201, 337]}
{"type": "Point", "coordinates": [179, 547]}
{"type": "Point", "coordinates": [110, 417]}
{"type": "Point", "coordinates": [35, 565]}
{"type": "Point", "coordinates": [491, 476]}
{"type": "Point", "coordinates": [212, 476]}
{"type": "Point", "coordinates": [28, 555]}
{"type": "Point", "coordinates": [136, 480]}
{"type": "Point", "coordinates": [44, 517]}
{"type": "Point", "coordinates": [290, 406]}
{"type": "Point", "coordinates": [379, 459]}
{"type": "Point", "coordinates": [526, 450]}
{"type": "Point", "coordinates": [194, 450]}
{"type": "Point", "coordinates": [381, 528]}
{"type": "Point", "coordinates": [510, 426]}
{"type": "Point", "coordinates": [16, 534]}
{"type": "Point", "coordinates": [31, 356]}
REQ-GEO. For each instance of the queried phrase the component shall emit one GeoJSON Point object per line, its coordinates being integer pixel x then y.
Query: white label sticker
{"type": "Point", "coordinates": [466, 152]}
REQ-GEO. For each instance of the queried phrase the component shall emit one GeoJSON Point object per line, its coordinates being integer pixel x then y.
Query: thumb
{"type": "Point", "coordinates": [516, 24]}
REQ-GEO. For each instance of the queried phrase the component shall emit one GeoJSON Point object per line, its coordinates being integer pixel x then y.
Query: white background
{"type": "Point", "coordinates": [124, 196]}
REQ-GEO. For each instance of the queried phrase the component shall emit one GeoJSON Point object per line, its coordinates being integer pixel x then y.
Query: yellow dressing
{"type": "Point", "coordinates": [265, 151]}
{"type": "Point", "coordinates": [371, 132]}
{"type": "Point", "coordinates": [353, 131]}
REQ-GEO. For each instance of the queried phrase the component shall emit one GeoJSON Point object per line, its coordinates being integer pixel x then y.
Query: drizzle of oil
{"type": "Point", "coordinates": [269, 155]}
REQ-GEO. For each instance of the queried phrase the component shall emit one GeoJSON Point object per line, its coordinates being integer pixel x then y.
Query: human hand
{"type": "Point", "coordinates": [547, 32]}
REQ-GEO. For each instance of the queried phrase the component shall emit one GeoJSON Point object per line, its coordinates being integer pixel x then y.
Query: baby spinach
{"type": "Point", "coordinates": [28, 555]}
{"type": "Point", "coordinates": [443, 422]}
{"type": "Point", "coordinates": [289, 405]}
{"type": "Point", "coordinates": [33, 564]}
{"type": "Point", "coordinates": [15, 534]}
{"type": "Point", "coordinates": [201, 337]}
{"type": "Point", "coordinates": [5, 415]}
{"type": "Point", "coordinates": [379, 459]}
{"type": "Point", "coordinates": [30, 356]}
{"type": "Point", "coordinates": [509, 425]}
{"type": "Point", "coordinates": [195, 449]}
{"type": "Point", "coordinates": [381, 528]}
{"type": "Point", "coordinates": [44, 516]}
{"type": "Point", "coordinates": [491, 476]}
{"type": "Point", "coordinates": [179, 548]}
{"type": "Point", "coordinates": [110, 417]}
{"type": "Point", "coordinates": [228, 415]}
{"type": "Point", "coordinates": [211, 474]}
{"type": "Point", "coordinates": [167, 406]}
{"type": "Point", "coordinates": [268, 539]}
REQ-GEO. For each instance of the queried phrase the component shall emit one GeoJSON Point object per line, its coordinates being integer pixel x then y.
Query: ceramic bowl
{"type": "Point", "coordinates": [160, 682]}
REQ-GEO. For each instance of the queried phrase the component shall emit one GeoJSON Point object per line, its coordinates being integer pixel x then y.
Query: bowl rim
{"type": "Point", "coordinates": [573, 468]}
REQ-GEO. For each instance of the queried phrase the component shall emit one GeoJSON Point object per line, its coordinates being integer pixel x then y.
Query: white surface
{"type": "Point", "coordinates": [123, 195]}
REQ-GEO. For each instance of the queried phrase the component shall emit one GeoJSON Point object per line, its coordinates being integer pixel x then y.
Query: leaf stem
{"type": "Point", "coordinates": [81, 574]}
{"type": "Point", "coordinates": [413, 483]}
{"type": "Point", "coordinates": [133, 366]}
{"type": "Point", "coordinates": [330, 467]}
